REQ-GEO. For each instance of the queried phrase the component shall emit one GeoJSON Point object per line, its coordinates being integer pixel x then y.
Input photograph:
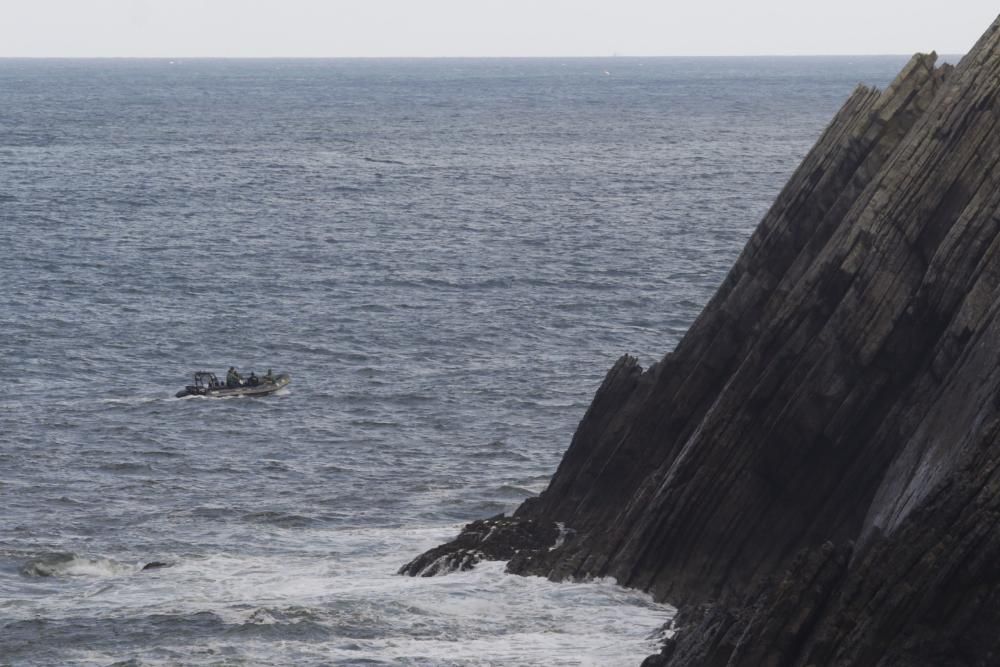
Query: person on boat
{"type": "Point", "coordinates": [253, 381]}
{"type": "Point", "coordinates": [232, 378]}
{"type": "Point", "coordinates": [269, 377]}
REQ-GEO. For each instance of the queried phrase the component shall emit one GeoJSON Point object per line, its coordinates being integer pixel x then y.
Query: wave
{"type": "Point", "coordinates": [125, 466]}
{"type": "Point", "coordinates": [514, 491]}
{"type": "Point", "coordinates": [65, 564]}
{"type": "Point", "coordinates": [383, 161]}
{"type": "Point", "coordinates": [280, 519]}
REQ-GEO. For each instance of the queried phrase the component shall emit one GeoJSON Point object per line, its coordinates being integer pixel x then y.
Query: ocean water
{"type": "Point", "coordinates": [446, 255]}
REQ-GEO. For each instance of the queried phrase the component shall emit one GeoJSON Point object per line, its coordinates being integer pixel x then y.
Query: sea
{"type": "Point", "coordinates": [446, 255]}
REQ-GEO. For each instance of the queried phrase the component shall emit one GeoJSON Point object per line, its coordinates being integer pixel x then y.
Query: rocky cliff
{"type": "Point", "coordinates": [813, 474]}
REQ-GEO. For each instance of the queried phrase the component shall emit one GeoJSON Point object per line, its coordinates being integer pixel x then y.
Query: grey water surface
{"type": "Point", "coordinates": [446, 255]}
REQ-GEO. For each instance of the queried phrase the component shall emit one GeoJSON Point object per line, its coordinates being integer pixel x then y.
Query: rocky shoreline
{"type": "Point", "coordinates": [813, 474]}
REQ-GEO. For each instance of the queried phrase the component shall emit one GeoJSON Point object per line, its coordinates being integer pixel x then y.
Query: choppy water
{"type": "Point", "coordinates": [446, 256]}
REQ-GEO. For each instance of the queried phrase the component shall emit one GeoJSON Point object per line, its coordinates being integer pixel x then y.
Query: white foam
{"type": "Point", "coordinates": [346, 580]}
{"type": "Point", "coordinates": [78, 566]}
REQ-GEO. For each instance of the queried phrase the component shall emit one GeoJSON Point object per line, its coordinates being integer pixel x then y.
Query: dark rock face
{"type": "Point", "coordinates": [499, 538]}
{"type": "Point", "coordinates": [815, 468]}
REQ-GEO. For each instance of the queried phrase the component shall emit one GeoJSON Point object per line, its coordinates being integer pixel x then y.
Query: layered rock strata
{"type": "Point", "coordinates": [818, 460]}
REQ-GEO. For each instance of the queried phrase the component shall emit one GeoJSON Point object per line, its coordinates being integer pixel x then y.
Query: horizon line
{"type": "Point", "coordinates": [494, 57]}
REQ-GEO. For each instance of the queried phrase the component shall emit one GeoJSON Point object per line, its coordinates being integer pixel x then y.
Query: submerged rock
{"type": "Point", "coordinates": [155, 565]}
{"type": "Point", "coordinates": [49, 565]}
{"type": "Point", "coordinates": [67, 564]}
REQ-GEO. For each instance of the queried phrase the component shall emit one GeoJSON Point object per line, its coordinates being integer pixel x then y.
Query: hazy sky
{"type": "Point", "coordinates": [185, 28]}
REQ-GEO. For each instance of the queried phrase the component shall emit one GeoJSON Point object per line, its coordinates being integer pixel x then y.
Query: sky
{"type": "Point", "coordinates": [484, 28]}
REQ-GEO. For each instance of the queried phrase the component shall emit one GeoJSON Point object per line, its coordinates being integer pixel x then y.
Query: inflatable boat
{"type": "Point", "coordinates": [206, 384]}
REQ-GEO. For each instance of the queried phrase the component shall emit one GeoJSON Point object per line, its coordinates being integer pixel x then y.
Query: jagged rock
{"type": "Point", "coordinates": [646, 475]}
{"type": "Point", "coordinates": [656, 660]}
{"type": "Point", "coordinates": [816, 466]}
{"type": "Point", "coordinates": [155, 565]}
{"type": "Point", "coordinates": [498, 538]}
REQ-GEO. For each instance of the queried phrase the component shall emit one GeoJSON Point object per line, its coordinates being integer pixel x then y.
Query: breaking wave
{"type": "Point", "coordinates": [71, 565]}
